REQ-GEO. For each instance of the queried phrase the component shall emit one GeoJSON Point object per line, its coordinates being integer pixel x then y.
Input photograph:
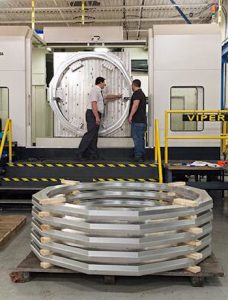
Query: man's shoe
{"type": "Point", "coordinates": [138, 159]}
{"type": "Point", "coordinates": [81, 158]}
{"type": "Point", "coordinates": [93, 157]}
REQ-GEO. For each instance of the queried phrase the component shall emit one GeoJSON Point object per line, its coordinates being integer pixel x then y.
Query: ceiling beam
{"type": "Point", "coordinates": [125, 19]}
{"type": "Point", "coordinates": [101, 8]}
{"type": "Point", "coordinates": [97, 20]}
{"type": "Point", "coordinates": [140, 18]}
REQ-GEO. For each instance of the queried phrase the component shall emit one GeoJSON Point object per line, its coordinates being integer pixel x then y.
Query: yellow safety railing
{"type": "Point", "coordinates": [223, 141]}
{"type": "Point", "coordinates": [33, 15]}
{"type": "Point", "coordinates": [83, 12]}
{"type": "Point", "coordinates": [7, 130]}
{"type": "Point", "coordinates": [222, 137]}
{"type": "Point", "coordinates": [157, 152]}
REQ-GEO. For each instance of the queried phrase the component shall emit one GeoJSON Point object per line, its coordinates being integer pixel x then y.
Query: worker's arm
{"type": "Point", "coordinates": [112, 98]}
{"type": "Point", "coordinates": [134, 108]}
{"type": "Point", "coordinates": [95, 112]}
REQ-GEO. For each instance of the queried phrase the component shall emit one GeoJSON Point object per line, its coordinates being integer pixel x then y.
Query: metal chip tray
{"type": "Point", "coordinates": [121, 228]}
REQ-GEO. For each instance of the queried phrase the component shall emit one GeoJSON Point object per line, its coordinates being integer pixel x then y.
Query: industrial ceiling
{"type": "Point", "coordinates": [136, 16]}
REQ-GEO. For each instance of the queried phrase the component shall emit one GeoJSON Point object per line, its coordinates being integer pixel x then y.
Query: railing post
{"type": "Point", "coordinates": [157, 137]}
{"type": "Point", "coordinates": [224, 130]}
{"type": "Point", "coordinates": [155, 144]}
{"type": "Point", "coordinates": [10, 141]}
{"type": "Point", "coordinates": [4, 137]}
{"type": "Point", "coordinates": [166, 136]}
{"type": "Point", "coordinates": [7, 130]}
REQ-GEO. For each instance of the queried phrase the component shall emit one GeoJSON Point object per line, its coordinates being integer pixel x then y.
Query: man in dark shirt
{"type": "Point", "coordinates": [137, 119]}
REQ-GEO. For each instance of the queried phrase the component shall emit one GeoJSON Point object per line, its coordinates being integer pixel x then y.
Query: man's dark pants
{"type": "Point", "coordinates": [137, 132]}
{"type": "Point", "coordinates": [88, 145]}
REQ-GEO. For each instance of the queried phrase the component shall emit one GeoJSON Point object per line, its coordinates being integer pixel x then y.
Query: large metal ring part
{"type": "Point", "coordinates": [73, 63]}
{"type": "Point", "coordinates": [121, 228]}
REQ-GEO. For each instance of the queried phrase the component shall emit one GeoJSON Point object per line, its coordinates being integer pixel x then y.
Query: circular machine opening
{"type": "Point", "coordinates": [74, 77]}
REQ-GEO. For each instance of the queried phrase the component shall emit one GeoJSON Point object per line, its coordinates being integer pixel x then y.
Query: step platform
{"type": "Point", "coordinates": [37, 175]}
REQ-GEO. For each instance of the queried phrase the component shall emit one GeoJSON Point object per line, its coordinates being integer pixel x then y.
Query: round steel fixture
{"type": "Point", "coordinates": [70, 86]}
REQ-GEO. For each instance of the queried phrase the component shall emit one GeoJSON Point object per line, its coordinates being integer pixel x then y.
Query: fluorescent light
{"type": "Point", "coordinates": [101, 49]}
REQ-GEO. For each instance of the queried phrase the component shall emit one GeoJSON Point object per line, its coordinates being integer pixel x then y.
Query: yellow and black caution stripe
{"type": "Point", "coordinates": [30, 179]}
{"type": "Point", "coordinates": [40, 165]}
{"type": "Point", "coordinates": [124, 179]}
{"type": "Point", "coordinates": [81, 165]}
{"type": "Point", "coordinates": [57, 180]}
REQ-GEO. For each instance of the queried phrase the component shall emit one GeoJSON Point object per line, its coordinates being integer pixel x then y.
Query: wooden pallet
{"type": "Point", "coordinates": [9, 226]}
{"type": "Point", "coordinates": [30, 266]}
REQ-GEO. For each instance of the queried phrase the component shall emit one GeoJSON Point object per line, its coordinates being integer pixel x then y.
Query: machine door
{"type": "Point", "coordinates": [74, 76]}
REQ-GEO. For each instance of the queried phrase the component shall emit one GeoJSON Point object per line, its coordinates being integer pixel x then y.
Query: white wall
{"type": "Point", "coordinates": [39, 66]}
{"type": "Point", "coordinates": [140, 53]}
{"type": "Point", "coordinates": [187, 56]}
{"type": "Point", "coordinates": [83, 34]}
{"type": "Point", "coordinates": [42, 116]}
{"type": "Point", "coordinates": [224, 37]}
{"type": "Point", "coordinates": [13, 67]}
{"type": "Point", "coordinates": [224, 21]}
{"type": "Point", "coordinates": [180, 55]}
{"type": "Point", "coordinates": [4, 103]}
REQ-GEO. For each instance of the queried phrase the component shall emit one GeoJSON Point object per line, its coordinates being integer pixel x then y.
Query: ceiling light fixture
{"type": "Point", "coordinates": [101, 49]}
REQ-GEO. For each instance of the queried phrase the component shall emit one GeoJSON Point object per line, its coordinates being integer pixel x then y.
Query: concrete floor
{"type": "Point", "coordinates": [92, 287]}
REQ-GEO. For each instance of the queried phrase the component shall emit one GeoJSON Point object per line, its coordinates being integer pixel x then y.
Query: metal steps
{"type": "Point", "coordinates": [37, 175]}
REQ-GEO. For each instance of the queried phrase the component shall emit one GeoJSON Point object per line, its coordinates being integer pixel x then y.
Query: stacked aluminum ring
{"type": "Point", "coordinates": [128, 229]}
